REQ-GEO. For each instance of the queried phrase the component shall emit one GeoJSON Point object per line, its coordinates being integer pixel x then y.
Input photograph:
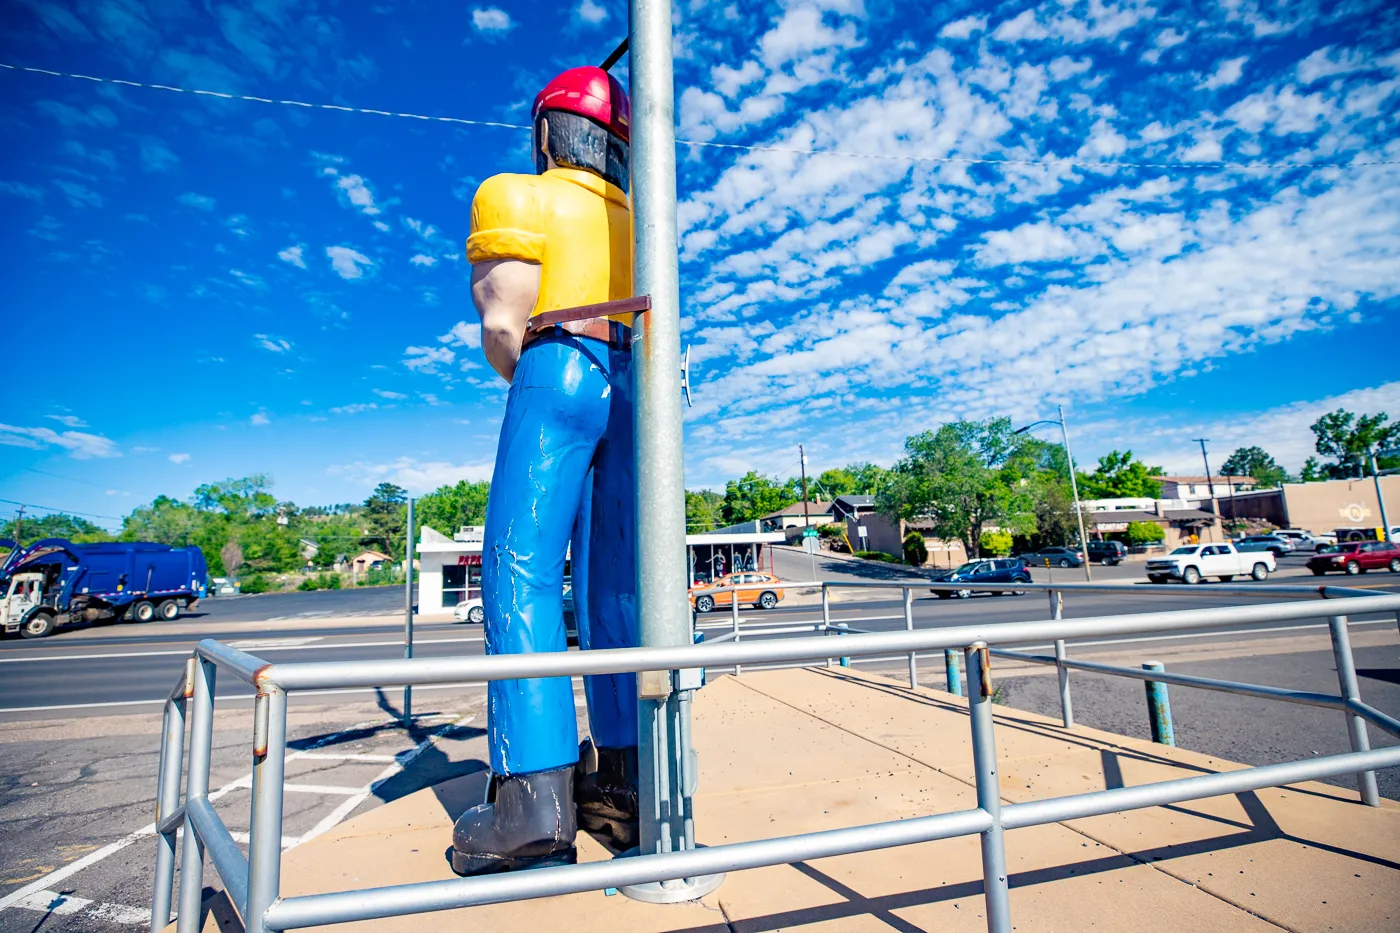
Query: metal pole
{"type": "Point", "coordinates": [951, 672]}
{"type": "Point", "coordinates": [1376, 478]}
{"type": "Point", "coordinates": [408, 616]}
{"type": "Point", "coordinates": [1210, 487]}
{"type": "Point", "coordinates": [1159, 707]}
{"type": "Point", "coordinates": [1356, 726]}
{"type": "Point", "coordinates": [656, 347]}
{"type": "Point", "coordinates": [172, 759]}
{"type": "Point", "coordinates": [188, 919]}
{"type": "Point", "coordinates": [265, 827]}
{"type": "Point", "coordinates": [995, 887]}
{"type": "Point", "coordinates": [909, 627]}
{"type": "Point", "coordinates": [826, 614]}
{"type": "Point", "coordinates": [1074, 489]}
{"type": "Point", "coordinates": [806, 512]}
{"type": "Point", "coordinates": [1057, 608]}
{"type": "Point", "coordinates": [734, 625]}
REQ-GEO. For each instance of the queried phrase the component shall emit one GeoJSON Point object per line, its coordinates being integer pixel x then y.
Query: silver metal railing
{"type": "Point", "coordinates": [253, 884]}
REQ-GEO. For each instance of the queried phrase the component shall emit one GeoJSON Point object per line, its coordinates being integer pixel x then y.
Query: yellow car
{"type": "Point", "coordinates": [756, 589]}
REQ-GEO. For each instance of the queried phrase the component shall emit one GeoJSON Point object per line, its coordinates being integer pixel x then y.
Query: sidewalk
{"type": "Point", "coordinates": [794, 751]}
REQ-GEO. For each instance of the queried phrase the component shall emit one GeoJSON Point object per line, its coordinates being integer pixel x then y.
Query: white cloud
{"type": "Point", "coordinates": [1023, 27]}
{"type": "Point", "coordinates": [462, 334]}
{"type": "Point", "coordinates": [69, 421]}
{"type": "Point", "coordinates": [591, 12]}
{"type": "Point", "coordinates": [197, 201]}
{"type": "Point", "coordinates": [423, 260]}
{"type": "Point", "coordinates": [1227, 73]}
{"type": "Point", "coordinates": [962, 28]}
{"type": "Point", "coordinates": [426, 359]}
{"type": "Point", "coordinates": [385, 393]}
{"type": "Point", "coordinates": [1329, 61]}
{"type": "Point", "coordinates": [79, 444]}
{"type": "Point", "coordinates": [417, 476]}
{"type": "Point", "coordinates": [179, 458]}
{"type": "Point", "coordinates": [1284, 431]}
{"type": "Point", "coordinates": [491, 20]}
{"type": "Point", "coordinates": [349, 263]}
{"type": "Point", "coordinates": [432, 399]}
{"type": "Point", "coordinates": [272, 344]}
{"type": "Point", "coordinates": [355, 190]}
{"type": "Point", "coordinates": [259, 419]}
{"type": "Point", "coordinates": [355, 409]}
{"type": "Point", "coordinates": [293, 255]}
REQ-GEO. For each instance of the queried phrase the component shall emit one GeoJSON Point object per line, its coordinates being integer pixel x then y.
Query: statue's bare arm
{"type": "Point", "coordinates": [504, 291]}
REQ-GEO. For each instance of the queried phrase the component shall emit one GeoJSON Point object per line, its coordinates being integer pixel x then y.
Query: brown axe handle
{"type": "Point", "coordinates": [585, 312]}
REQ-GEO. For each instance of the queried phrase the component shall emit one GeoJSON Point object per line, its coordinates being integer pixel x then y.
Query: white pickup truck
{"type": "Point", "coordinates": [1191, 563]}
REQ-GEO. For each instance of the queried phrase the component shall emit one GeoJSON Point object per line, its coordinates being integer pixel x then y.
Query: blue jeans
{"type": "Point", "coordinates": [563, 474]}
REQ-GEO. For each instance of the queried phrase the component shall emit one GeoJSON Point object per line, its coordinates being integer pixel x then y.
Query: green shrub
{"type": "Point", "coordinates": [321, 581]}
{"type": "Point", "coordinates": [878, 555]}
{"type": "Point", "coordinates": [310, 583]}
{"type": "Point", "coordinates": [257, 583]}
{"type": "Point", "coordinates": [1141, 533]}
{"type": "Point", "coordinates": [915, 551]}
{"type": "Point", "coordinates": [995, 543]}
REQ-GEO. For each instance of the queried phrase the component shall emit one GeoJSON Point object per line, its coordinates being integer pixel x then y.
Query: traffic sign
{"type": "Point", "coordinates": [810, 533]}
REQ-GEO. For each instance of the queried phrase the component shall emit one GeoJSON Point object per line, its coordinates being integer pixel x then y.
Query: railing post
{"type": "Point", "coordinates": [951, 672]}
{"type": "Point", "coordinates": [1356, 726]}
{"type": "Point", "coordinates": [1057, 607]}
{"type": "Point", "coordinates": [826, 618]}
{"type": "Point", "coordinates": [189, 918]}
{"type": "Point", "coordinates": [734, 624]}
{"type": "Point", "coordinates": [1159, 707]}
{"type": "Point", "coordinates": [995, 886]}
{"type": "Point", "coordinates": [265, 823]}
{"type": "Point", "coordinates": [909, 627]}
{"type": "Point", "coordinates": [172, 760]}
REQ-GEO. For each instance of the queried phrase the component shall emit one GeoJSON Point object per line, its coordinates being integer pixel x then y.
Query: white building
{"type": "Point", "coordinates": [449, 569]}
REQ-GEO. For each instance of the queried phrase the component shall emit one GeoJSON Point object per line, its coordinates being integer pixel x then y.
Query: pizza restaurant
{"type": "Point", "coordinates": [449, 569]}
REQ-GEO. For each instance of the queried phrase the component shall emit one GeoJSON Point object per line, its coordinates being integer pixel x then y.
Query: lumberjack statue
{"type": "Point", "coordinates": [558, 239]}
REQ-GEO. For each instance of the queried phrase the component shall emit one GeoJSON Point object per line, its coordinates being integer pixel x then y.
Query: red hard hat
{"type": "Point", "coordinates": [590, 92]}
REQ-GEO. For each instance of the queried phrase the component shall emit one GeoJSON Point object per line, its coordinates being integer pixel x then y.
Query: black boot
{"type": "Point", "coordinates": [607, 798]}
{"type": "Point", "coordinates": [530, 824]}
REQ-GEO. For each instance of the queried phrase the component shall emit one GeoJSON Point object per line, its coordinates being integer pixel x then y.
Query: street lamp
{"type": "Point", "coordinates": [1073, 483]}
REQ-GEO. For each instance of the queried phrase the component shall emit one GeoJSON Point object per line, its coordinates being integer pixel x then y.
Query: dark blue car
{"type": "Point", "coordinates": [999, 570]}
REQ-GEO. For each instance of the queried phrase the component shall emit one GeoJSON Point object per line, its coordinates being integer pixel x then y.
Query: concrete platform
{"type": "Point", "coordinates": [793, 751]}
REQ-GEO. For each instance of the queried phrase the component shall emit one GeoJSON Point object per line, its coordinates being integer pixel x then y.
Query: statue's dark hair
{"type": "Point", "coordinates": [577, 142]}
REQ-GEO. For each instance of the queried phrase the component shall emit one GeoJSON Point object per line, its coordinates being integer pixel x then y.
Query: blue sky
{"type": "Point", "coordinates": [200, 287]}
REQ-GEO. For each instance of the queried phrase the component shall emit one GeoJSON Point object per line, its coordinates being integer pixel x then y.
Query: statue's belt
{"type": "Point", "coordinates": [588, 321]}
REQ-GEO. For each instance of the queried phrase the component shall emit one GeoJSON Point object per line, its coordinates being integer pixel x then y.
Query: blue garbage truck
{"type": "Point", "coordinates": [55, 582]}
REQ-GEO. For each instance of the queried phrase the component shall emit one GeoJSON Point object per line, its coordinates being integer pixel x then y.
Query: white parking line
{"type": "Point", "coordinates": [37, 895]}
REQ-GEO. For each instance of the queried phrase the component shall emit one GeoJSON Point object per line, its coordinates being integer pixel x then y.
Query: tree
{"type": "Point", "coordinates": [1347, 439]}
{"type": "Point", "coordinates": [871, 478]}
{"type": "Point", "coordinates": [1119, 476]}
{"type": "Point", "coordinates": [1255, 462]}
{"type": "Point", "coordinates": [448, 508]}
{"type": "Point", "coordinates": [752, 497]}
{"type": "Point", "coordinates": [964, 476]}
{"type": "Point", "coordinates": [996, 543]}
{"type": "Point", "coordinates": [915, 551]}
{"type": "Point", "coordinates": [386, 513]}
{"type": "Point", "coordinates": [1141, 533]}
{"type": "Point", "coordinates": [231, 555]}
{"type": "Point", "coordinates": [244, 498]}
{"type": "Point", "coordinates": [1313, 471]}
{"type": "Point", "coordinates": [838, 482]}
{"type": "Point", "coordinates": [702, 510]}
{"type": "Point", "coordinates": [54, 525]}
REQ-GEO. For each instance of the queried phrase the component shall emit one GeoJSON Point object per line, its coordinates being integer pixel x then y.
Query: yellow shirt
{"type": "Point", "coordinates": [573, 224]}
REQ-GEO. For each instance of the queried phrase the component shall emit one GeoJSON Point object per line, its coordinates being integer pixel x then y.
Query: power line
{"type": "Point", "coordinates": [789, 150]}
{"type": "Point", "coordinates": [45, 508]}
{"type": "Point", "coordinates": [71, 479]}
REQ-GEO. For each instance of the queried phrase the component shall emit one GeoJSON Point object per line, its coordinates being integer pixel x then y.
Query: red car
{"type": "Point", "coordinates": [1357, 557]}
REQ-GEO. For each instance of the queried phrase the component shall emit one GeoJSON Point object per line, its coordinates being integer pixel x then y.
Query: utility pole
{"type": "Point", "coordinates": [19, 524]}
{"type": "Point", "coordinates": [806, 512]}
{"type": "Point", "coordinates": [408, 614]}
{"type": "Point", "coordinates": [1210, 487]}
{"type": "Point", "coordinates": [1376, 477]}
{"type": "Point", "coordinates": [1074, 489]}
